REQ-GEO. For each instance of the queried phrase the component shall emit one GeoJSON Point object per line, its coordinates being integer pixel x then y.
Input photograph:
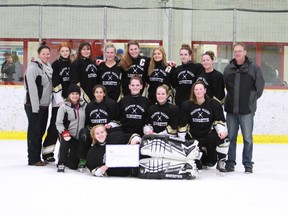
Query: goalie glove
{"type": "Point", "coordinates": [66, 135]}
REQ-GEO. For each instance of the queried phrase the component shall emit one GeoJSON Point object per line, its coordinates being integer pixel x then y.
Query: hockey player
{"type": "Point", "coordinates": [185, 75]}
{"type": "Point", "coordinates": [60, 81]}
{"type": "Point", "coordinates": [133, 64]}
{"type": "Point", "coordinates": [96, 154]}
{"type": "Point", "coordinates": [133, 108]}
{"type": "Point", "coordinates": [159, 72]}
{"type": "Point", "coordinates": [212, 78]}
{"type": "Point", "coordinates": [202, 118]}
{"type": "Point", "coordinates": [84, 72]}
{"type": "Point", "coordinates": [70, 119]}
{"type": "Point", "coordinates": [162, 117]}
{"type": "Point", "coordinates": [101, 110]}
{"type": "Point", "coordinates": [110, 73]}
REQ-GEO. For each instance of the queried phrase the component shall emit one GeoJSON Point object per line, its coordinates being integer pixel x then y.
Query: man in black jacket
{"type": "Point", "coordinates": [244, 84]}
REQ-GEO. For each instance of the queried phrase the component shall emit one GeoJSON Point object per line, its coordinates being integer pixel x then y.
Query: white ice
{"type": "Point", "coordinates": [27, 190]}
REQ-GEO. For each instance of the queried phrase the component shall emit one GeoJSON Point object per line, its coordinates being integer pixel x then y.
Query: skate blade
{"type": "Point", "coordinates": [81, 170]}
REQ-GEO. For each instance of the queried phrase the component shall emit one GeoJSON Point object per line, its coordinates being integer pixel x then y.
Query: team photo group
{"type": "Point", "coordinates": [184, 118]}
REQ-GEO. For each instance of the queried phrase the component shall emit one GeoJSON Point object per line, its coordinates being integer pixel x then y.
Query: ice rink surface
{"type": "Point", "coordinates": [32, 191]}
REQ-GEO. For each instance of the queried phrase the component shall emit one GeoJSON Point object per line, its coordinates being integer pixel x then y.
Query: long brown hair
{"type": "Point", "coordinates": [192, 95]}
{"type": "Point", "coordinates": [126, 60]}
{"type": "Point", "coordinates": [83, 44]}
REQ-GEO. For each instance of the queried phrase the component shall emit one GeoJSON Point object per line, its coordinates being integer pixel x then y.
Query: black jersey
{"type": "Point", "coordinates": [139, 67]}
{"type": "Point", "coordinates": [133, 110]}
{"type": "Point", "coordinates": [101, 113]}
{"type": "Point", "coordinates": [201, 118]}
{"type": "Point", "coordinates": [96, 154]}
{"type": "Point", "coordinates": [84, 73]}
{"type": "Point", "coordinates": [183, 78]}
{"type": "Point", "coordinates": [214, 83]}
{"type": "Point", "coordinates": [163, 118]}
{"type": "Point", "coordinates": [110, 77]}
{"type": "Point", "coordinates": [61, 76]}
{"type": "Point", "coordinates": [160, 75]}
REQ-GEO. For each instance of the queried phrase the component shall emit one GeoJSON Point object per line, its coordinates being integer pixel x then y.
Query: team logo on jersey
{"type": "Point", "coordinates": [134, 112]}
{"type": "Point", "coordinates": [91, 70]}
{"type": "Point", "coordinates": [110, 79]}
{"type": "Point", "coordinates": [186, 77]}
{"type": "Point", "coordinates": [203, 80]}
{"type": "Point", "coordinates": [99, 116]}
{"type": "Point", "coordinates": [65, 74]}
{"type": "Point", "coordinates": [202, 115]}
{"type": "Point", "coordinates": [160, 119]}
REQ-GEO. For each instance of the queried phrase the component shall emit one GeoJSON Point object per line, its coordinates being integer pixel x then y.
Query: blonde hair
{"type": "Point", "coordinates": [152, 61]}
{"type": "Point", "coordinates": [109, 45]}
{"type": "Point", "coordinates": [94, 140]}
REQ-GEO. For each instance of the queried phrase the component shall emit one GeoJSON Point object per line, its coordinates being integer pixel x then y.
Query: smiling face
{"type": "Point", "coordinates": [199, 91]}
{"type": "Point", "coordinates": [44, 55]}
{"type": "Point", "coordinates": [134, 50]}
{"type": "Point", "coordinates": [207, 62]}
{"type": "Point", "coordinates": [239, 53]}
{"type": "Point", "coordinates": [110, 53]}
{"type": "Point", "coordinates": [64, 52]}
{"type": "Point", "coordinates": [157, 55]}
{"type": "Point", "coordinates": [161, 95]}
{"type": "Point", "coordinates": [184, 55]}
{"type": "Point", "coordinates": [86, 52]}
{"type": "Point", "coordinates": [135, 86]}
{"type": "Point", "coordinates": [100, 134]}
{"type": "Point", "coordinates": [99, 94]}
{"type": "Point", "coordinates": [74, 97]}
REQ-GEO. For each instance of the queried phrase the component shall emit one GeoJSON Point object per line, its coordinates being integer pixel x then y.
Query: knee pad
{"type": "Point", "coordinates": [223, 147]}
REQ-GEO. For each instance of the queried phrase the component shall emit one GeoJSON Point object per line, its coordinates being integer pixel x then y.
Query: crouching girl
{"type": "Point", "coordinates": [96, 154]}
{"type": "Point", "coordinates": [70, 120]}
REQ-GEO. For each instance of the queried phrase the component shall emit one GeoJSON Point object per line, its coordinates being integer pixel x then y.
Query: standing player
{"type": "Point", "coordinates": [60, 81]}
{"type": "Point", "coordinates": [212, 78]}
{"type": "Point", "coordinates": [84, 71]}
{"type": "Point", "coordinates": [159, 72]}
{"type": "Point", "coordinates": [133, 64]}
{"type": "Point", "coordinates": [110, 73]}
{"type": "Point", "coordinates": [185, 75]}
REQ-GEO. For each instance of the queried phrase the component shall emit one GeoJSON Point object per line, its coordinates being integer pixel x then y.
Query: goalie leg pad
{"type": "Point", "coordinates": [163, 146]}
{"type": "Point", "coordinates": [161, 168]}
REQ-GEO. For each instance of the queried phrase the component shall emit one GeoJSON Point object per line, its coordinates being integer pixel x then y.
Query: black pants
{"type": "Point", "coordinates": [37, 123]}
{"type": "Point", "coordinates": [85, 142]}
{"type": "Point", "coordinates": [68, 153]}
{"type": "Point", "coordinates": [52, 136]}
{"type": "Point", "coordinates": [207, 146]}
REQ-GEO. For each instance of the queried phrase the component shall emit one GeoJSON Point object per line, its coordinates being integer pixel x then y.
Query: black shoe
{"type": "Point", "coordinates": [49, 160]}
{"type": "Point", "coordinates": [229, 168]}
{"type": "Point", "coordinates": [61, 168]}
{"type": "Point", "coordinates": [248, 170]}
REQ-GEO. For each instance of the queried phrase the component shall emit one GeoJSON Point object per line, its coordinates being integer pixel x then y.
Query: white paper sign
{"type": "Point", "coordinates": [122, 155]}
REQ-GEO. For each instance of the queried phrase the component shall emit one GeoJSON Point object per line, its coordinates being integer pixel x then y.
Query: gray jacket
{"type": "Point", "coordinates": [38, 85]}
{"type": "Point", "coordinates": [71, 119]}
